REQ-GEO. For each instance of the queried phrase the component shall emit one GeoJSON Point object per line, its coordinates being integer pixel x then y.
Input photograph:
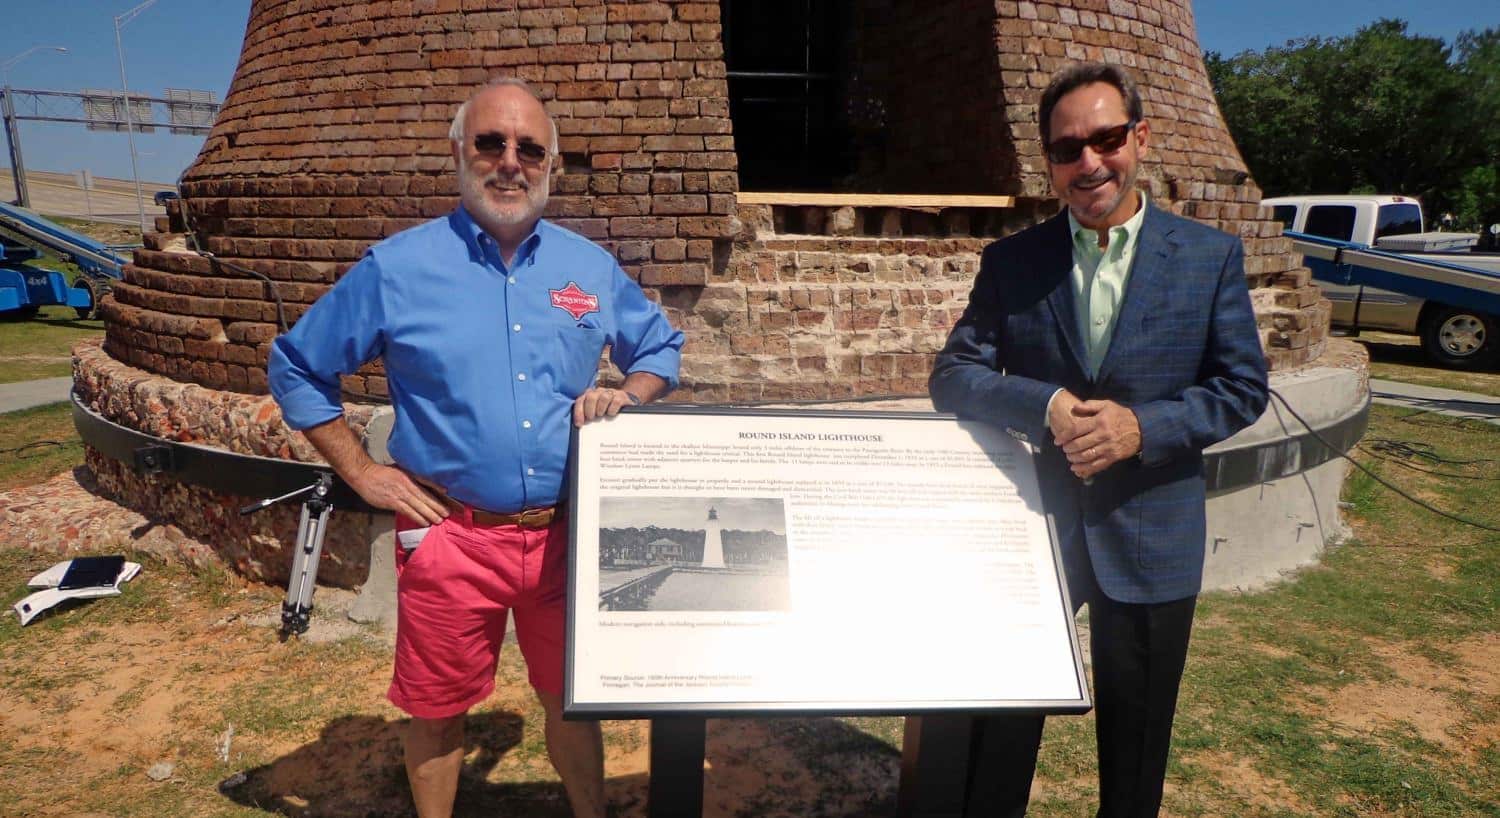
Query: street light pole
{"type": "Point", "coordinates": [135, 170]}
{"type": "Point", "coordinates": [12, 127]}
{"type": "Point", "coordinates": [13, 140]}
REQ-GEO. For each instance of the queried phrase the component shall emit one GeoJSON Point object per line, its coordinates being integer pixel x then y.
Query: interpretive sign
{"type": "Point", "coordinates": [735, 561]}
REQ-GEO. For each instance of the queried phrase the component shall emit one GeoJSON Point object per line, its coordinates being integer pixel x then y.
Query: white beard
{"type": "Point", "coordinates": [473, 190]}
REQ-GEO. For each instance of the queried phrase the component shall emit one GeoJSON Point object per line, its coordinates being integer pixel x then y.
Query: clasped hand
{"type": "Point", "coordinates": [1094, 434]}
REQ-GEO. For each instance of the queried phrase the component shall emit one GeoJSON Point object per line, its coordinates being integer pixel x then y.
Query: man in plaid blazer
{"type": "Point", "coordinates": [1119, 340]}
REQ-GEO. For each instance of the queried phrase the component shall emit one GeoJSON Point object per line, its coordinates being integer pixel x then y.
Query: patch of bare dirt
{"type": "Point", "coordinates": [109, 233]}
{"type": "Point", "coordinates": [1250, 788]}
{"type": "Point", "coordinates": [1425, 696]}
{"type": "Point", "coordinates": [90, 705]}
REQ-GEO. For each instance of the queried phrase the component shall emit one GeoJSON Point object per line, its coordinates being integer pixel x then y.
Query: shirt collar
{"type": "Point", "coordinates": [1086, 239]}
{"type": "Point", "coordinates": [483, 244]}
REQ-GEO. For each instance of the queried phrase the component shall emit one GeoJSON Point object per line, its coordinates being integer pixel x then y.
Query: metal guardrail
{"type": "Point", "coordinates": [217, 470]}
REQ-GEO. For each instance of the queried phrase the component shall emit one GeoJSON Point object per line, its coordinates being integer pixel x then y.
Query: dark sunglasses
{"type": "Point", "coordinates": [493, 144]}
{"type": "Point", "coordinates": [1070, 149]}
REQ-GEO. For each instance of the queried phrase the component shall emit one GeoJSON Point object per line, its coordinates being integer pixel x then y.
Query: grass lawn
{"type": "Point", "coordinates": [41, 347]}
{"type": "Point", "coordinates": [1365, 686]}
{"type": "Point", "coordinates": [36, 444]}
{"type": "Point", "coordinates": [1369, 685]}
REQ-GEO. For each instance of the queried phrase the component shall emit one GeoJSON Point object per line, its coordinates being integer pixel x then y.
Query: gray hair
{"type": "Point", "coordinates": [1078, 75]}
{"type": "Point", "coordinates": [456, 130]}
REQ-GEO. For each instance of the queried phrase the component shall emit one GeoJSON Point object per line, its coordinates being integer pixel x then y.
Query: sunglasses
{"type": "Point", "coordinates": [1070, 149]}
{"type": "Point", "coordinates": [527, 153]}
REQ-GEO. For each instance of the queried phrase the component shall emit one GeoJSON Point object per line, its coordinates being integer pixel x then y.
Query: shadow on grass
{"type": "Point", "coordinates": [1404, 354]}
{"type": "Point", "coordinates": [802, 767]}
{"type": "Point", "coordinates": [92, 324]}
{"type": "Point", "coordinates": [355, 768]}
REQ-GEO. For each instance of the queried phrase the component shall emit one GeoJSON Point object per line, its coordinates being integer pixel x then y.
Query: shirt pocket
{"type": "Point", "coordinates": [575, 356]}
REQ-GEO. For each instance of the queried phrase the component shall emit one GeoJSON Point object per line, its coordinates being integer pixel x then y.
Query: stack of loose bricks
{"type": "Point", "coordinates": [333, 136]}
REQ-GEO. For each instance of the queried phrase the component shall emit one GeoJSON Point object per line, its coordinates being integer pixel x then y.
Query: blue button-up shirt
{"type": "Point", "coordinates": [482, 361]}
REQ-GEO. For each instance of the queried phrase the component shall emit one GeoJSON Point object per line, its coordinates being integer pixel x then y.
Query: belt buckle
{"type": "Point", "coordinates": [534, 517]}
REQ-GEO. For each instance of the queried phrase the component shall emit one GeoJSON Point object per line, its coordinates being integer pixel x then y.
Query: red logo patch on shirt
{"type": "Point", "coordinates": [574, 301]}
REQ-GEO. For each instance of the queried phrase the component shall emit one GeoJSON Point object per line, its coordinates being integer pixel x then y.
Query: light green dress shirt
{"type": "Point", "coordinates": [1099, 279]}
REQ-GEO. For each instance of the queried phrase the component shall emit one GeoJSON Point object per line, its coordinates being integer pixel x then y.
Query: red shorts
{"type": "Point", "coordinates": [453, 592]}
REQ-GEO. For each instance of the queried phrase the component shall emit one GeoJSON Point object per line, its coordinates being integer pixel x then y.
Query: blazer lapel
{"type": "Point", "coordinates": [1148, 271]}
{"type": "Point", "coordinates": [1059, 263]}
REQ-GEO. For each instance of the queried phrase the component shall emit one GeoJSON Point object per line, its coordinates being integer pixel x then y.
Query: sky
{"type": "Point", "coordinates": [196, 44]}
{"type": "Point", "coordinates": [691, 513]}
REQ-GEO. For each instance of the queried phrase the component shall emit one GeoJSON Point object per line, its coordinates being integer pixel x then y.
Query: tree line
{"type": "Point", "coordinates": [1379, 111]}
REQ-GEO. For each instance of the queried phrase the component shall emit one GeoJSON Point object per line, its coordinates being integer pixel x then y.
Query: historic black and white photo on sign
{"type": "Point", "coordinates": [692, 554]}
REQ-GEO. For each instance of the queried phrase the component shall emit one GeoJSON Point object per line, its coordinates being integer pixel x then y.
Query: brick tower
{"type": "Point", "coordinates": [806, 192]}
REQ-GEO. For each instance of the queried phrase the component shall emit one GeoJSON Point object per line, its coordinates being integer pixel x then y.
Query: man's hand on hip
{"type": "Point", "coordinates": [390, 488]}
{"type": "Point", "coordinates": [1102, 434]}
{"type": "Point", "coordinates": [380, 486]}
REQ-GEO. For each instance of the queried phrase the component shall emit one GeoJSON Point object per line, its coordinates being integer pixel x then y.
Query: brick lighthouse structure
{"type": "Point", "coordinates": [806, 196]}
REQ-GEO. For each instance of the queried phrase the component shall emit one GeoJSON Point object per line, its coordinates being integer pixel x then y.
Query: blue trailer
{"type": "Point", "coordinates": [25, 289]}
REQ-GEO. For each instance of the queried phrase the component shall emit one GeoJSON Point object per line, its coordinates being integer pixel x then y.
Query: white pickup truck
{"type": "Point", "coordinates": [1381, 271]}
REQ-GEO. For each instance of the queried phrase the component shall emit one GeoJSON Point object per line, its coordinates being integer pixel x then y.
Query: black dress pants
{"type": "Point", "coordinates": [1138, 653]}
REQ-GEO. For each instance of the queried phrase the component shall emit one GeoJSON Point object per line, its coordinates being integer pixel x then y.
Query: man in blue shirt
{"type": "Point", "coordinates": [490, 323]}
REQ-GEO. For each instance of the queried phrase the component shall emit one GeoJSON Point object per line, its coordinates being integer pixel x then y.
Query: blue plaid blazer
{"type": "Point", "coordinates": [1185, 356]}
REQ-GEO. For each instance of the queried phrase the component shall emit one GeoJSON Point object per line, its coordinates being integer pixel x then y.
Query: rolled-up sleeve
{"type": "Point", "coordinates": [643, 341]}
{"type": "Point", "coordinates": [337, 335]}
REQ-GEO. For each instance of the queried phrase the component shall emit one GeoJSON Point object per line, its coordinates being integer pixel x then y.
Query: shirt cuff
{"type": "Point", "coordinates": [306, 406]}
{"type": "Point", "coordinates": [665, 365]}
{"type": "Point", "coordinates": [1047, 418]}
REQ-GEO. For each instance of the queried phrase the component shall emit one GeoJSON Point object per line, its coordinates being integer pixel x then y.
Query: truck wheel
{"type": "Point", "coordinates": [1460, 339]}
{"type": "Point", "coordinates": [85, 313]}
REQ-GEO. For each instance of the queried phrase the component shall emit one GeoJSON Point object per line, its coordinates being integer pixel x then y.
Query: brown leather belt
{"type": "Point", "coordinates": [525, 518]}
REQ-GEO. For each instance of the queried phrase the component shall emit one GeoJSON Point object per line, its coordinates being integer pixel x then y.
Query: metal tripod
{"type": "Point", "coordinates": [313, 524]}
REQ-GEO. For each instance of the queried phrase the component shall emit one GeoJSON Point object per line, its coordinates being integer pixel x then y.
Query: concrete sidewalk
{"type": "Point", "coordinates": [1449, 402]}
{"type": "Point", "coordinates": [26, 394]}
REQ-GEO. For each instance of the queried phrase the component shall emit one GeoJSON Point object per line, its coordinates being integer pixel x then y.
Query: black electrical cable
{"type": "Point", "coordinates": [1376, 477]}
{"type": "Point", "coordinates": [1404, 452]}
{"type": "Point", "coordinates": [1407, 464]}
{"type": "Point", "coordinates": [17, 451]}
{"type": "Point", "coordinates": [1419, 451]}
{"type": "Point", "coordinates": [187, 217]}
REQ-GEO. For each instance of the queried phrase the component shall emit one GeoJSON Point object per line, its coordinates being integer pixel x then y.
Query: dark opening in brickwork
{"type": "Point", "coordinates": [788, 91]}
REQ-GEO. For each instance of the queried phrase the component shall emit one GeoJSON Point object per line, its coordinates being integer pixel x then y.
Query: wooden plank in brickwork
{"type": "Point", "coordinates": [871, 199]}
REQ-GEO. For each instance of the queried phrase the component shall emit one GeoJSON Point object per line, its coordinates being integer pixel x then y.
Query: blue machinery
{"type": "Point", "coordinates": [25, 289]}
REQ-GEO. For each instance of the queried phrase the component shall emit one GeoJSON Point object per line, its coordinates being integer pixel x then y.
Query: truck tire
{"type": "Point", "coordinates": [85, 313]}
{"type": "Point", "coordinates": [1460, 338]}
